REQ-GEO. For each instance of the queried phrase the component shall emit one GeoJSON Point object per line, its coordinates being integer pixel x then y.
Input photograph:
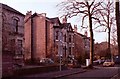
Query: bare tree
{"type": "Point", "coordinates": [88, 9]}
{"type": "Point", "coordinates": [114, 35]}
{"type": "Point", "coordinates": [107, 18]}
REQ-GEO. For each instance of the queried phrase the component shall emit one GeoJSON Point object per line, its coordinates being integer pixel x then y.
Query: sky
{"type": "Point", "coordinates": [48, 7]}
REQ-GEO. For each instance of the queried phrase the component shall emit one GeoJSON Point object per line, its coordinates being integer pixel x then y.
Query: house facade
{"type": "Point", "coordinates": [12, 29]}
{"type": "Point", "coordinates": [81, 46]}
{"type": "Point", "coordinates": [39, 34]}
{"type": "Point", "coordinates": [35, 38]}
{"type": "Point", "coordinates": [63, 43]}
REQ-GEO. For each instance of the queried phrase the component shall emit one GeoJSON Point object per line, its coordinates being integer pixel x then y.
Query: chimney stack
{"type": "Point", "coordinates": [64, 20]}
{"type": "Point", "coordinates": [43, 14]}
{"type": "Point", "coordinates": [86, 34]}
{"type": "Point", "coordinates": [27, 16]}
{"type": "Point", "coordinates": [75, 28]}
{"type": "Point", "coordinates": [29, 13]}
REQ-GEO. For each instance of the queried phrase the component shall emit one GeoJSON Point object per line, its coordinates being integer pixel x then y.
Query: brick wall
{"type": "Point", "coordinates": [78, 44]}
{"type": "Point", "coordinates": [7, 65]}
{"type": "Point", "coordinates": [8, 34]}
{"type": "Point", "coordinates": [27, 36]}
{"type": "Point", "coordinates": [39, 37]}
{"type": "Point", "coordinates": [42, 36]}
{"type": "Point", "coordinates": [0, 40]}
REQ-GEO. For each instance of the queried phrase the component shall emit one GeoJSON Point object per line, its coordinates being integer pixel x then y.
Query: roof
{"type": "Point", "coordinates": [53, 20]}
{"type": "Point", "coordinates": [65, 25]}
{"type": "Point", "coordinates": [4, 6]}
{"type": "Point", "coordinates": [82, 35]}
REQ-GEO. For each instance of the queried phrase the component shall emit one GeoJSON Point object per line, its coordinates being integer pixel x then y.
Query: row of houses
{"type": "Point", "coordinates": [35, 36]}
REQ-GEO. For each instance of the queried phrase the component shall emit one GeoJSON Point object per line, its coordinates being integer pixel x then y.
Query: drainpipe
{"type": "Point", "coordinates": [46, 38]}
{"type": "Point", "coordinates": [32, 40]}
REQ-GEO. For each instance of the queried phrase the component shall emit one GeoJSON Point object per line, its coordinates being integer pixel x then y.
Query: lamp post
{"type": "Point", "coordinates": [60, 63]}
{"type": "Point", "coordinates": [60, 50]}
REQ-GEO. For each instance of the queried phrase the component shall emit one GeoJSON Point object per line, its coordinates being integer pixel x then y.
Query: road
{"type": "Point", "coordinates": [98, 73]}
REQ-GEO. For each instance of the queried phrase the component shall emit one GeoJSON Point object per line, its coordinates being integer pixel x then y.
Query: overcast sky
{"type": "Point", "coordinates": [49, 7]}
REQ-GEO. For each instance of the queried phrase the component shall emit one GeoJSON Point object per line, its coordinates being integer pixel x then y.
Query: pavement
{"type": "Point", "coordinates": [58, 74]}
{"type": "Point", "coordinates": [34, 69]}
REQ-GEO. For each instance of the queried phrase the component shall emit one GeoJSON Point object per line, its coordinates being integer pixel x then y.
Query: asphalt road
{"type": "Point", "coordinates": [98, 73]}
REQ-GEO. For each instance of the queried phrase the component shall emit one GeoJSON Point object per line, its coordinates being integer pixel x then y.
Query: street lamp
{"type": "Point", "coordinates": [60, 54]}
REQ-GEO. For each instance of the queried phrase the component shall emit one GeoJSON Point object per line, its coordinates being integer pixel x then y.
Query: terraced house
{"type": "Point", "coordinates": [81, 46]}
{"type": "Point", "coordinates": [12, 33]}
{"type": "Point", "coordinates": [64, 43]}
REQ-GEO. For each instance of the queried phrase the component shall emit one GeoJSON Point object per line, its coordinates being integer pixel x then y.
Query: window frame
{"type": "Point", "coordinates": [15, 20]}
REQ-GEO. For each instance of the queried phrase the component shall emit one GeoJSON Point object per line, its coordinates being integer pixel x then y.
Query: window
{"type": "Point", "coordinates": [15, 23]}
{"type": "Point", "coordinates": [69, 50]}
{"type": "Point", "coordinates": [56, 35]}
{"type": "Point", "coordinates": [13, 46]}
{"type": "Point", "coordinates": [65, 50]}
{"type": "Point", "coordinates": [69, 38]}
{"type": "Point", "coordinates": [64, 38]}
{"type": "Point", "coordinates": [56, 49]}
{"type": "Point", "coordinates": [19, 44]}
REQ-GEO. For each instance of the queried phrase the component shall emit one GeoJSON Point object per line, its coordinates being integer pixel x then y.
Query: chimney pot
{"type": "Point", "coordinates": [64, 20]}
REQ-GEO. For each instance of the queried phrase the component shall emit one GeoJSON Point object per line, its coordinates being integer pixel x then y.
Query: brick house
{"type": "Point", "coordinates": [81, 45]}
{"type": "Point", "coordinates": [64, 40]}
{"type": "Point", "coordinates": [46, 37]}
{"type": "Point", "coordinates": [12, 28]}
{"type": "Point", "coordinates": [39, 34]}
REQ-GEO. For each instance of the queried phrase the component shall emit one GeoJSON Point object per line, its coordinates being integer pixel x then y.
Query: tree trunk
{"type": "Point", "coordinates": [91, 38]}
{"type": "Point", "coordinates": [118, 25]}
{"type": "Point", "coordinates": [109, 49]}
{"type": "Point", "coordinates": [109, 30]}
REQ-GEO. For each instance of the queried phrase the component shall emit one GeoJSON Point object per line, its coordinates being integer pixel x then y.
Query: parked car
{"type": "Point", "coordinates": [74, 64]}
{"type": "Point", "coordinates": [96, 62]}
{"type": "Point", "coordinates": [99, 61]}
{"type": "Point", "coordinates": [108, 64]}
{"type": "Point", "coordinates": [117, 59]}
{"type": "Point", "coordinates": [46, 61]}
